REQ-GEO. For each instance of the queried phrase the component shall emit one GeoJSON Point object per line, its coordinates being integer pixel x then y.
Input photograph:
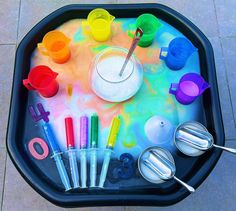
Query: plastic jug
{"type": "Point", "coordinates": [149, 25]}
{"type": "Point", "coordinates": [190, 86]}
{"type": "Point", "coordinates": [43, 80]}
{"type": "Point", "coordinates": [55, 45]}
{"type": "Point", "coordinates": [98, 24]}
{"type": "Point", "coordinates": [177, 54]}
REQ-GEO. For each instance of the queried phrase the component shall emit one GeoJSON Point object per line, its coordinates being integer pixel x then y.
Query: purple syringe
{"type": "Point", "coordinates": [83, 147]}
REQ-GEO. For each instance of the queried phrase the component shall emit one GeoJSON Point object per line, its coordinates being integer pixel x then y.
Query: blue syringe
{"type": "Point", "coordinates": [56, 155]}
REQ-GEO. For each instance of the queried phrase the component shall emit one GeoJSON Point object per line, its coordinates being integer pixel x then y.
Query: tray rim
{"type": "Point", "coordinates": [68, 200]}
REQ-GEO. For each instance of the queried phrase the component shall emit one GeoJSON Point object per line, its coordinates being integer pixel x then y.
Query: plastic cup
{"type": "Point", "coordinates": [149, 25]}
{"type": "Point", "coordinates": [43, 80]}
{"type": "Point", "coordinates": [177, 54]}
{"type": "Point", "coordinates": [55, 45]}
{"type": "Point", "coordinates": [98, 24]}
{"type": "Point", "coordinates": [190, 86]}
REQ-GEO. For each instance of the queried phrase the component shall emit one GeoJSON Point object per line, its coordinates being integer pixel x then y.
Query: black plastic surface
{"type": "Point", "coordinates": [200, 167]}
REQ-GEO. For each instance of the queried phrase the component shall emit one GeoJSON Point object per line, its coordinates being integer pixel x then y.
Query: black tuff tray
{"type": "Point", "coordinates": [198, 168]}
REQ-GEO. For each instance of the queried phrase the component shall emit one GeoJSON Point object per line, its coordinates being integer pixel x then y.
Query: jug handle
{"type": "Point", "coordinates": [55, 74]}
{"type": "Point", "coordinates": [173, 88]}
{"type": "Point", "coordinates": [27, 84]}
{"type": "Point", "coordinates": [42, 49]}
{"type": "Point", "coordinates": [112, 18]}
{"type": "Point", "coordinates": [85, 27]}
{"type": "Point", "coordinates": [163, 53]}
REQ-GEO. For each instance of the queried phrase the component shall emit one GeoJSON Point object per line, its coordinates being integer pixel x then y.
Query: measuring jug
{"type": "Point", "coordinates": [177, 54]}
{"type": "Point", "coordinates": [190, 86]}
{"type": "Point", "coordinates": [98, 24]}
{"type": "Point", "coordinates": [149, 24]}
{"type": "Point", "coordinates": [55, 45]}
{"type": "Point", "coordinates": [42, 79]}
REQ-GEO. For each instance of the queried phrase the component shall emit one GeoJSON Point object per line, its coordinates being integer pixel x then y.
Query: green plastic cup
{"type": "Point", "coordinates": [149, 25]}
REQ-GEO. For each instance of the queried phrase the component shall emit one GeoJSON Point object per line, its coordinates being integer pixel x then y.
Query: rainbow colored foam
{"type": "Point", "coordinates": [152, 98]}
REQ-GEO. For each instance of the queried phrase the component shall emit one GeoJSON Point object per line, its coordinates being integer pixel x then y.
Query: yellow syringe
{"type": "Point", "coordinates": [115, 126]}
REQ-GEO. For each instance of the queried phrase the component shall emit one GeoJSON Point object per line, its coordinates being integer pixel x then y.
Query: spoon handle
{"type": "Point", "coordinates": [226, 149]}
{"type": "Point", "coordinates": [188, 187]}
{"type": "Point", "coordinates": [137, 36]}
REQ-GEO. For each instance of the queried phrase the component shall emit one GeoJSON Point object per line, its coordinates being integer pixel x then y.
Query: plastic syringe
{"type": "Point", "coordinates": [56, 155]}
{"type": "Point", "coordinates": [115, 126]}
{"type": "Point", "coordinates": [93, 150]}
{"type": "Point", "coordinates": [71, 151]}
{"type": "Point", "coordinates": [83, 148]}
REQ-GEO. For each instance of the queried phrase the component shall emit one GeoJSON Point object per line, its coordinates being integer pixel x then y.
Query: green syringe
{"type": "Point", "coordinates": [93, 149]}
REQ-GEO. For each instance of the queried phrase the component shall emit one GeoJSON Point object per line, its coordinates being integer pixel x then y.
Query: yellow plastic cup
{"type": "Point", "coordinates": [55, 45]}
{"type": "Point", "coordinates": [98, 24]}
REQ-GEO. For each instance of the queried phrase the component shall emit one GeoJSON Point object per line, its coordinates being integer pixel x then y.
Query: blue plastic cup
{"type": "Point", "coordinates": [177, 53]}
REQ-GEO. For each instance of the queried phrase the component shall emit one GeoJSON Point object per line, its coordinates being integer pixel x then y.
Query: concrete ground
{"type": "Point", "coordinates": [216, 18]}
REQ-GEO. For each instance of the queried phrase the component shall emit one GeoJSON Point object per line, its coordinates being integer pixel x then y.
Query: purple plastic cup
{"type": "Point", "coordinates": [190, 86]}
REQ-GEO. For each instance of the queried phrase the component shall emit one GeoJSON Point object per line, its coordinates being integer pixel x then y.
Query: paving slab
{"type": "Point", "coordinates": [226, 16]}
{"type": "Point", "coordinates": [229, 46]}
{"type": "Point", "coordinates": [9, 12]}
{"type": "Point", "coordinates": [7, 56]}
{"type": "Point", "coordinates": [2, 171]}
{"type": "Point", "coordinates": [223, 88]}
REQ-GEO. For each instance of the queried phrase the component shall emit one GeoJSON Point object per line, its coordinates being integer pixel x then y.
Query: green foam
{"type": "Point", "coordinates": [99, 48]}
{"type": "Point", "coordinates": [79, 36]}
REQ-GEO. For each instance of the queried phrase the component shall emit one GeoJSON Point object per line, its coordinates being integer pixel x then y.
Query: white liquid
{"type": "Point", "coordinates": [147, 173]}
{"type": "Point", "coordinates": [109, 85]}
{"type": "Point", "coordinates": [110, 68]}
{"type": "Point", "coordinates": [186, 148]}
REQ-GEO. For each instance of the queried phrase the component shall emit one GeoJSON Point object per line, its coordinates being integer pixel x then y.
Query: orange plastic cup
{"type": "Point", "coordinates": [55, 45]}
